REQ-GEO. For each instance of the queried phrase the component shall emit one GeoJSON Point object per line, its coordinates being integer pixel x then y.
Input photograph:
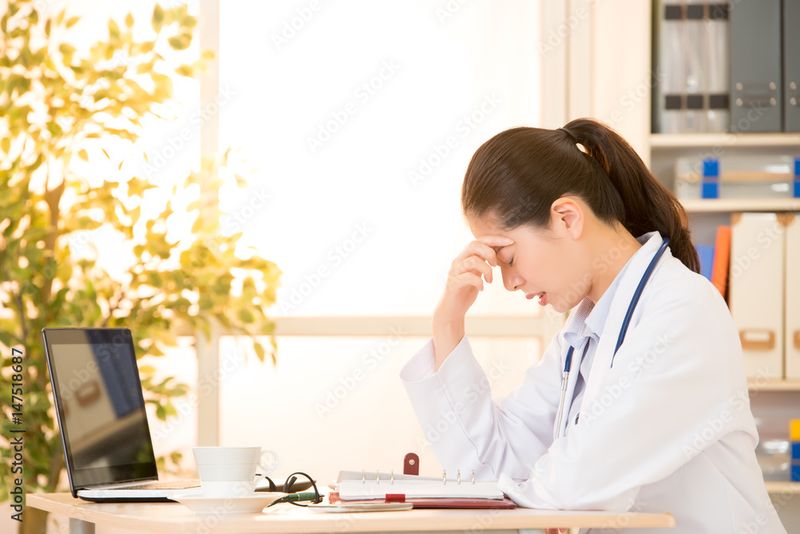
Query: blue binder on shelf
{"type": "Point", "coordinates": [709, 185]}
{"type": "Point", "coordinates": [706, 255]}
{"type": "Point", "coordinates": [796, 181]}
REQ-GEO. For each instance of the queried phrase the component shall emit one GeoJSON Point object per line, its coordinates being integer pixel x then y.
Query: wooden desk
{"type": "Point", "coordinates": [175, 518]}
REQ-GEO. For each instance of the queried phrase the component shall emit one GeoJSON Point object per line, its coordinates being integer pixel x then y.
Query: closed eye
{"type": "Point", "coordinates": [510, 259]}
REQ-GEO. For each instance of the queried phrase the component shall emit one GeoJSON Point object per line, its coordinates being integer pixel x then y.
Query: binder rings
{"type": "Point", "coordinates": [757, 289]}
{"type": "Point", "coordinates": [791, 65]}
{"type": "Point", "coordinates": [755, 55]}
{"type": "Point", "coordinates": [792, 305]}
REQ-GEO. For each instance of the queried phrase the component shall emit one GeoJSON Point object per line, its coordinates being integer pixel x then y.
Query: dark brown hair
{"type": "Point", "coordinates": [518, 174]}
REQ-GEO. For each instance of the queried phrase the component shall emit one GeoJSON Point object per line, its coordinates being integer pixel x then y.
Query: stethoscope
{"type": "Point", "coordinates": [623, 330]}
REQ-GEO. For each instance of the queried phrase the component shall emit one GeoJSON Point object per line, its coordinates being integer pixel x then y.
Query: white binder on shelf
{"type": "Point", "coordinates": [757, 290]}
{"type": "Point", "coordinates": [792, 349]}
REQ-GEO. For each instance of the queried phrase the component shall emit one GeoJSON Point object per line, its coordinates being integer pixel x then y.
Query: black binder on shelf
{"type": "Point", "coordinates": [756, 95]}
{"type": "Point", "coordinates": [690, 51]}
{"type": "Point", "coordinates": [791, 65]}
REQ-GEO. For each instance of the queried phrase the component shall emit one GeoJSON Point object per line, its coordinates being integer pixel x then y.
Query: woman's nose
{"type": "Point", "coordinates": [511, 280]}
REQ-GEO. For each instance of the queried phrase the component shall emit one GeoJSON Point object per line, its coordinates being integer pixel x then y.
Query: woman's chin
{"type": "Point", "coordinates": [560, 306]}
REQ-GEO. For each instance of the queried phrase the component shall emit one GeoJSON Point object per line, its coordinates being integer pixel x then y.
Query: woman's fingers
{"type": "Point", "coordinates": [479, 257]}
{"type": "Point", "coordinates": [477, 266]}
{"type": "Point", "coordinates": [466, 279]}
{"type": "Point", "coordinates": [468, 271]}
{"type": "Point", "coordinates": [483, 247]}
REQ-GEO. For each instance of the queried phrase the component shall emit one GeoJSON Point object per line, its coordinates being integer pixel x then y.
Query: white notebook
{"type": "Point", "coordinates": [355, 485]}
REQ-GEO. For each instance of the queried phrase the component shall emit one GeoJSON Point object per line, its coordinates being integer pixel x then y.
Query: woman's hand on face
{"type": "Point", "coordinates": [467, 274]}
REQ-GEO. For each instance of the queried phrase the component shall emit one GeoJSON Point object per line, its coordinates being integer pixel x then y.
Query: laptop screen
{"type": "Point", "coordinates": [100, 406]}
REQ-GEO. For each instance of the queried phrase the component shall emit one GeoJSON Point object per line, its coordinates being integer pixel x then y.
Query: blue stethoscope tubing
{"type": "Point", "coordinates": [623, 330]}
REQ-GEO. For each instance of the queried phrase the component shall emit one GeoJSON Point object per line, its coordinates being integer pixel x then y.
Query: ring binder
{"type": "Point", "coordinates": [423, 492]}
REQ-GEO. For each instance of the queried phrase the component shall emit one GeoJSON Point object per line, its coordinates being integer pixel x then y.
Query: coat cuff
{"type": "Point", "coordinates": [450, 403]}
{"type": "Point", "coordinates": [458, 372]}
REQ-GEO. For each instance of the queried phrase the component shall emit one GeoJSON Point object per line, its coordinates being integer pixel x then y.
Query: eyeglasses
{"type": "Point", "coordinates": [294, 485]}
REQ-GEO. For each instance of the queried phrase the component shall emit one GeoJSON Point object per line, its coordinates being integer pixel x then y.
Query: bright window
{"type": "Point", "coordinates": [357, 120]}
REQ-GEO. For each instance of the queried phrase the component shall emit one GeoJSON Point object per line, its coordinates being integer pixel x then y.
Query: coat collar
{"type": "Point", "coordinates": [629, 279]}
{"type": "Point", "coordinates": [602, 321]}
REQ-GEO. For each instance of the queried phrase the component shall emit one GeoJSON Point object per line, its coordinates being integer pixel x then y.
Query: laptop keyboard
{"type": "Point", "coordinates": [169, 484]}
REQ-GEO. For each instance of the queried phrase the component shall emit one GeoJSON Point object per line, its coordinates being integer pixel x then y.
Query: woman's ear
{"type": "Point", "coordinates": [567, 217]}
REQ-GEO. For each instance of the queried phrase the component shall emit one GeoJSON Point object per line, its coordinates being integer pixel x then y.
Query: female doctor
{"type": "Point", "coordinates": [640, 403]}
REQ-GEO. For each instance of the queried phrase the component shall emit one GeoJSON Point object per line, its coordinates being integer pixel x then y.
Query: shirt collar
{"type": "Point", "coordinates": [588, 319]}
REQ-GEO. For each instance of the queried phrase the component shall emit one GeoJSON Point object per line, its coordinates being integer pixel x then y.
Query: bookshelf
{"type": "Point", "coordinates": [783, 486]}
{"type": "Point", "coordinates": [595, 86]}
{"type": "Point", "coordinates": [705, 215]}
{"type": "Point", "coordinates": [730, 205]}
{"type": "Point", "coordinates": [707, 140]}
{"type": "Point", "coordinates": [774, 385]}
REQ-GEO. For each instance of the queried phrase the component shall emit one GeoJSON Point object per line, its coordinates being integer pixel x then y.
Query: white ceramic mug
{"type": "Point", "coordinates": [227, 471]}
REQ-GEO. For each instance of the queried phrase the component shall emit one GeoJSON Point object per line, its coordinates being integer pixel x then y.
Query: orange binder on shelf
{"type": "Point", "coordinates": [422, 492]}
{"type": "Point", "coordinates": [722, 258]}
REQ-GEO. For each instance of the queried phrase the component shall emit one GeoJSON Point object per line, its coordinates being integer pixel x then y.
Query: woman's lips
{"type": "Point", "coordinates": [542, 297]}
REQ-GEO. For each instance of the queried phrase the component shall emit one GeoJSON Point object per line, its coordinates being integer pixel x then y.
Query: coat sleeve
{"type": "Point", "coordinates": [676, 387]}
{"type": "Point", "coordinates": [466, 428]}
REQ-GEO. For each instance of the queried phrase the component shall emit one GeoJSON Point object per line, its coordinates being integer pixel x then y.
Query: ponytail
{"type": "Point", "coordinates": [519, 173]}
{"type": "Point", "coordinates": [648, 204]}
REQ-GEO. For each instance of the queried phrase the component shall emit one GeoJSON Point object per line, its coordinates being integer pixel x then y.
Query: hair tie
{"type": "Point", "coordinates": [577, 143]}
{"type": "Point", "coordinates": [569, 134]}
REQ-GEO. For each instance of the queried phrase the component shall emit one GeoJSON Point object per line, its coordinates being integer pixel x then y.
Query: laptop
{"type": "Point", "coordinates": [101, 416]}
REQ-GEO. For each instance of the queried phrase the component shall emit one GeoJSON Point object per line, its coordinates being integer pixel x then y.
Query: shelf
{"type": "Point", "coordinates": [722, 205]}
{"type": "Point", "coordinates": [774, 385]}
{"type": "Point", "coordinates": [782, 486]}
{"type": "Point", "coordinates": [701, 140]}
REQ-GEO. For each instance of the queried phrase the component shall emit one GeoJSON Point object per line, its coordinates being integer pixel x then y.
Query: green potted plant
{"type": "Point", "coordinates": [59, 106]}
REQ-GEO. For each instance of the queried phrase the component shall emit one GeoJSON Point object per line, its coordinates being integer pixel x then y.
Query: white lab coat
{"type": "Point", "coordinates": [668, 428]}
